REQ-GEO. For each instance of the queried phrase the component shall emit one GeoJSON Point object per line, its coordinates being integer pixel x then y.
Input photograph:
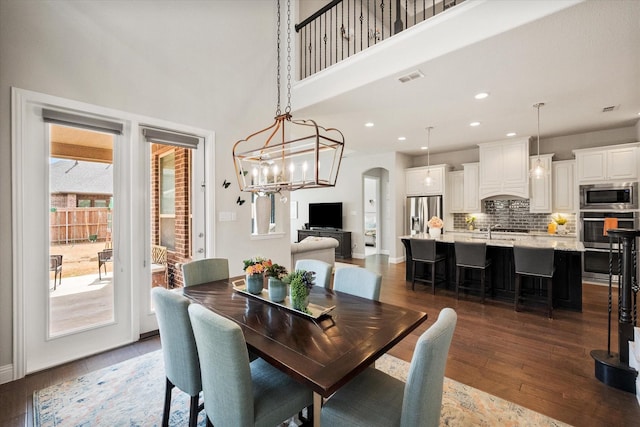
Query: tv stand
{"type": "Point", "coordinates": [343, 237]}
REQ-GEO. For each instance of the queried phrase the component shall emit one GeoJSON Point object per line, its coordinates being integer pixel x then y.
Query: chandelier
{"type": "Point", "coordinates": [290, 154]}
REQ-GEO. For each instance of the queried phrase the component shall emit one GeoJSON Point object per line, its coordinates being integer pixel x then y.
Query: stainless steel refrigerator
{"type": "Point", "coordinates": [418, 211]}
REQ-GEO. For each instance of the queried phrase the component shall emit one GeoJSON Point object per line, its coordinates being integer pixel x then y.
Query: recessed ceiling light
{"type": "Point", "coordinates": [511, 134]}
{"type": "Point", "coordinates": [369, 125]}
{"type": "Point", "coordinates": [474, 124]}
{"type": "Point", "coordinates": [481, 95]}
{"type": "Point", "coordinates": [423, 148]}
{"type": "Point", "coordinates": [402, 138]}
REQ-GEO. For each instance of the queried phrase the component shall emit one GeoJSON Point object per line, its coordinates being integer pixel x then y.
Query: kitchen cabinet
{"type": "Point", "coordinates": [603, 164]}
{"type": "Point", "coordinates": [471, 185]}
{"type": "Point", "coordinates": [564, 190]}
{"type": "Point", "coordinates": [415, 180]}
{"type": "Point", "coordinates": [540, 188]}
{"type": "Point", "coordinates": [455, 195]}
{"type": "Point", "coordinates": [504, 168]}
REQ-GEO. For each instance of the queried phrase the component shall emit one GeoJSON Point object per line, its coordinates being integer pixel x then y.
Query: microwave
{"type": "Point", "coordinates": [623, 195]}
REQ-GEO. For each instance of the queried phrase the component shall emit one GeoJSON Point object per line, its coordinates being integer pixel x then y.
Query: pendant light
{"type": "Point", "coordinates": [306, 156]}
{"type": "Point", "coordinates": [538, 171]}
{"type": "Point", "coordinates": [428, 181]}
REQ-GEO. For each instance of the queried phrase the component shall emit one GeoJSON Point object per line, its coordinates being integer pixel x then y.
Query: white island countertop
{"type": "Point", "coordinates": [508, 240]}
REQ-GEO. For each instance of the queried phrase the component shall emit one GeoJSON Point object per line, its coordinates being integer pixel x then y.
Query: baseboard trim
{"type": "Point", "coordinates": [6, 373]}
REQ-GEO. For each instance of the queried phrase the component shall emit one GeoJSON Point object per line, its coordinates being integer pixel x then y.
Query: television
{"type": "Point", "coordinates": [325, 215]}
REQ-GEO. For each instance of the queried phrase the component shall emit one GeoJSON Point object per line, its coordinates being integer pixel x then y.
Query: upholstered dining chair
{"type": "Point", "coordinates": [181, 365]}
{"type": "Point", "coordinates": [205, 270]}
{"type": "Point", "coordinates": [358, 281]}
{"type": "Point", "coordinates": [375, 398]}
{"type": "Point", "coordinates": [238, 392]}
{"type": "Point", "coordinates": [321, 268]}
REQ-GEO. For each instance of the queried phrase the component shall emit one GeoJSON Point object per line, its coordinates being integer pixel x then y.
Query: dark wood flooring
{"type": "Point", "coordinates": [542, 364]}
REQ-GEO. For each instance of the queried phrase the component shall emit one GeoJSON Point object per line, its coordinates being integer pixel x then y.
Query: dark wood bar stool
{"type": "Point", "coordinates": [538, 264]}
{"type": "Point", "coordinates": [423, 251]}
{"type": "Point", "coordinates": [471, 255]}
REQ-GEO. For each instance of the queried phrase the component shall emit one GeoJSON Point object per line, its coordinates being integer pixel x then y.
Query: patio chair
{"type": "Point", "coordinates": [159, 262]}
{"type": "Point", "coordinates": [55, 265]}
{"type": "Point", "coordinates": [104, 257]}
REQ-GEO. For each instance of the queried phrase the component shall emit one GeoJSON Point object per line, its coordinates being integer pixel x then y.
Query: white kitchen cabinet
{"type": "Point", "coordinates": [564, 188]}
{"type": "Point", "coordinates": [504, 168]}
{"type": "Point", "coordinates": [455, 195]}
{"type": "Point", "coordinates": [472, 202]}
{"type": "Point", "coordinates": [540, 188]}
{"type": "Point", "coordinates": [602, 164]}
{"type": "Point", "coordinates": [415, 180]}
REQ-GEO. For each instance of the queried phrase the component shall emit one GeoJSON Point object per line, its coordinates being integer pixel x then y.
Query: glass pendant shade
{"type": "Point", "coordinates": [538, 170]}
{"type": "Point", "coordinates": [268, 162]}
{"type": "Point", "coordinates": [428, 181]}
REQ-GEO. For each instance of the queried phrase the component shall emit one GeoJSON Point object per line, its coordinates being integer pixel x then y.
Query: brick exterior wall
{"type": "Point", "coordinates": [181, 253]}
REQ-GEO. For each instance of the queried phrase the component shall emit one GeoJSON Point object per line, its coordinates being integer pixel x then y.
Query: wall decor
{"type": "Point", "coordinates": [226, 184]}
{"type": "Point", "coordinates": [240, 201]}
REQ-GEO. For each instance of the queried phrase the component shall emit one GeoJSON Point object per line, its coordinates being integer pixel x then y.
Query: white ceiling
{"type": "Point", "coordinates": [577, 60]}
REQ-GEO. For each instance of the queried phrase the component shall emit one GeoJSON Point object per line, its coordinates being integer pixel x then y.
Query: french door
{"type": "Point", "coordinates": [115, 273]}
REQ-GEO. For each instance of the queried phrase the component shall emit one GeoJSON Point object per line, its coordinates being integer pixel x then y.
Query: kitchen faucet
{"type": "Point", "coordinates": [492, 227]}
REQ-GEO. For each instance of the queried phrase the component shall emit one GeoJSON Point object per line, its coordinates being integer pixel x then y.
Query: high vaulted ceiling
{"type": "Point", "coordinates": [579, 61]}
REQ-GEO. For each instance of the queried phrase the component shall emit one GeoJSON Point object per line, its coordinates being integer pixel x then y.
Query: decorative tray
{"type": "Point", "coordinates": [315, 311]}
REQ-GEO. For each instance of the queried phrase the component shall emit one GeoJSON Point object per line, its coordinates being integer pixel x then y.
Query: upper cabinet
{"type": "Point", "coordinates": [540, 188]}
{"type": "Point", "coordinates": [471, 199]}
{"type": "Point", "coordinates": [416, 180]}
{"type": "Point", "coordinates": [455, 195]}
{"type": "Point", "coordinates": [602, 164]}
{"type": "Point", "coordinates": [504, 168]}
{"type": "Point", "coordinates": [564, 194]}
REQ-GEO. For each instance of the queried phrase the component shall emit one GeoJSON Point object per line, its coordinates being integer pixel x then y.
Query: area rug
{"type": "Point", "coordinates": [131, 393]}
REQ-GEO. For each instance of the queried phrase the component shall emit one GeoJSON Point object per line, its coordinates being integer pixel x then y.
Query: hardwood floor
{"type": "Point", "coordinates": [540, 363]}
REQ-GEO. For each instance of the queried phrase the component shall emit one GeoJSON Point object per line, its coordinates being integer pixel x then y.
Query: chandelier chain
{"type": "Point", "coordinates": [288, 108]}
{"type": "Point", "coordinates": [278, 63]}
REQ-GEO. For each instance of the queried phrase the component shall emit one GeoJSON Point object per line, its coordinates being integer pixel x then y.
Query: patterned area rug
{"type": "Point", "coordinates": [131, 393]}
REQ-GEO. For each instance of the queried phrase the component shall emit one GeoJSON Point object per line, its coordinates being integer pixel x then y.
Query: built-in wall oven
{"type": "Point", "coordinates": [595, 262]}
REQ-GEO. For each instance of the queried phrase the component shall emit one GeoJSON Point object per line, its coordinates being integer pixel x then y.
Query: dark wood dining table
{"type": "Point", "coordinates": [323, 353]}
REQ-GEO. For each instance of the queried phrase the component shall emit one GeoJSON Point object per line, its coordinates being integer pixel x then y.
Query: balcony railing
{"type": "Point", "coordinates": [345, 27]}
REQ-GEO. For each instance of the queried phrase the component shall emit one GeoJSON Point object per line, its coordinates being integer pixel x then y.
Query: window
{"type": "Point", "coordinates": [167, 174]}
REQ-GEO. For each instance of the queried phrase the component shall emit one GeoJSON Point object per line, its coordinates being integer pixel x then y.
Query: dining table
{"type": "Point", "coordinates": [325, 351]}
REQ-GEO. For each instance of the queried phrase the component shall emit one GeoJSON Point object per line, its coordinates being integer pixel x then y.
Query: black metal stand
{"type": "Point", "coordinates": [613, 368]}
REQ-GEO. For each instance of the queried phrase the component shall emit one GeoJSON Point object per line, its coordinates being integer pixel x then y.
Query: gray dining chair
{"type": "Point", "coordinates": [181, 365]}
{"type": "Point", "coordinates": [423, 251]}
{"type": "Point", "coordinates": [375, 398]}
{"type": "Point", "coordinates": [205, 270]}
{"type": "Point", "coordinates": [322, 269]}
{"type": "Point", "coordinates": [238, 392]}
{"type": "Point", "coordinates": [358, 281]}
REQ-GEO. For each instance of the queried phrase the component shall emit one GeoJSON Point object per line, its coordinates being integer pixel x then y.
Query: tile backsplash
{"type": "Point", "coordinates": [512, 214]}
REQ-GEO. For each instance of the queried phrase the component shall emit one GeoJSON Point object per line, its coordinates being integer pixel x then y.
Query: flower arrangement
{"type": "Point", "coordinates": [559, 219]}
{"type": "Point", "coordinates": [470, 219]}
{"type": "Point", "coordinates": [435, 222]}
{"type": "Point", "coordinates": [256, 265]}
{"type": "Point", "coordinates": [277, 271]}
{"type": "Point", "coordinates": [301, 282]}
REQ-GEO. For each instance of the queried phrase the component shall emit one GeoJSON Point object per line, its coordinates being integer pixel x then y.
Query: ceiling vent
{"type": "Point", "coordinates": [411, 76]}
{"type": "Point", "coordinates": [610, 108]}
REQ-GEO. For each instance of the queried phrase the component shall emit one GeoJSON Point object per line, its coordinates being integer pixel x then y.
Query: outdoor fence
{"type": "Point", "coordinates": [73, 225]}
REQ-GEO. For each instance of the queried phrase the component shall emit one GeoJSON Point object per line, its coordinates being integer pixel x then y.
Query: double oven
{"type": "Point", "coordinates": [614, 204]}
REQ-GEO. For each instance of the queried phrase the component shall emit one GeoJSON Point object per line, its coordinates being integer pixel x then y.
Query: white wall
{"type": "Point", "coordinates": [190, 62]}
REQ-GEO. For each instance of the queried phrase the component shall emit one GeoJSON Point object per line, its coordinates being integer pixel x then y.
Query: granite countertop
{"type": "Point", "coordinates": [508, 240]}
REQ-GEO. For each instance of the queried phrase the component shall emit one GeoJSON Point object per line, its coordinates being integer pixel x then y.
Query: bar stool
{"type": "Point", "coordinates": [424, 251]}
{"type": "Point", "coordinates": [471, 255]}
{"type": "Point", "coordinates": [535, 263]}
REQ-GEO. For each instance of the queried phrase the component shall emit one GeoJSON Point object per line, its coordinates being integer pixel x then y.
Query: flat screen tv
{"type": "Point", "coordinates": [325, 215]}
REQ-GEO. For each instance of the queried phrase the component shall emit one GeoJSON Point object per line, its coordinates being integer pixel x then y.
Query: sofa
{"type": "Point", "coordinates": [320, 248]}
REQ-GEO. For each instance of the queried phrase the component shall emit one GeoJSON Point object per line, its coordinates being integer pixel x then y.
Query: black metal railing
{"type": "Point", "coordinates": [345, 27]}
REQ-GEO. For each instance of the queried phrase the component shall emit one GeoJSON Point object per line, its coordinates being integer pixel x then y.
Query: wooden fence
{"type": "Point", "coordinates": [72, 225]}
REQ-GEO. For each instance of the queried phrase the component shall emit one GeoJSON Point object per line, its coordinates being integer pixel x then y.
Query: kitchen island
{"type": "Point", "coordinates": [567, 280]}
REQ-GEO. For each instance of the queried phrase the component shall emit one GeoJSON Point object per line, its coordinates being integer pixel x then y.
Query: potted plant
{"type": "Point", "coordinates": [254, 269]}
{"type": "Point", "coordinates": [300, 283]}
{"type": "Point", "coordinates": [277, 288]}
{"type": "Point", "coordinates": [435, 226]}
{"type": "Point", "coordinates": [562, 224]}
{"type": "Point", "coordinates": [471, 222]}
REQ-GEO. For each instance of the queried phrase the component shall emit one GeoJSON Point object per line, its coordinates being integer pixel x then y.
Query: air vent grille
{"type": "Point", "coordinates": [411, 76]}
{"type": "Point", "coordinates": [610, 108]}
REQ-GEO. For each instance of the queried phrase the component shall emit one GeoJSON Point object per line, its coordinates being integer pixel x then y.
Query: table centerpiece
{"type": "Point", "coordinates": [254, 269]}
{"type": "Point", "coordinates": [277, 288]}
{"type": "Point", "coordinates": [300, 283]}
{"type": "Point", "coordinates": [435, 225]}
